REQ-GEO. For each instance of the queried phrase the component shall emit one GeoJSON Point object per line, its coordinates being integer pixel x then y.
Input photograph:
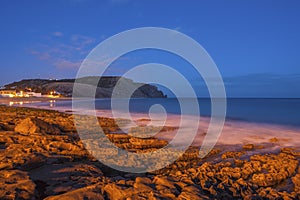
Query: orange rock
{"type": "Point", "coordinates": [92, 192]}
{"type": "Point", "coordinates": [16, 184]}
{"type": "Point", "coordinates": [248, 147]}
{"type": "Point", "coordinates": [35, 125]}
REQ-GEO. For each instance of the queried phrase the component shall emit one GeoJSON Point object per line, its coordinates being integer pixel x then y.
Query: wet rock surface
{"type": "Point", "coordinates": [42, 157]}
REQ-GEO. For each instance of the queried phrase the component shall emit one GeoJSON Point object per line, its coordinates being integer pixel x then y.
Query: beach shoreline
{"type": "Point", "coordinates": [253, 132]}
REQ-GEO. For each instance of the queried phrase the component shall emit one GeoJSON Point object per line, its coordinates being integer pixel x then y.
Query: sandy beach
{"type": "Point", "coordinates": [42, 157]}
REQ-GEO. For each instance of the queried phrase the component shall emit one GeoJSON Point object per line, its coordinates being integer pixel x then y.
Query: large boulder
{"type": "Point", "coordinates": [34, 125]}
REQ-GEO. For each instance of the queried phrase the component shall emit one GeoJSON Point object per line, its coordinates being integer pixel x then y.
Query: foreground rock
{"type": "Point", "coordinates": [16, 184]}
{"type": "Point", "coordinates": [92, 192]}
{"type": "Point", "coordinates": [34, 125]}
{"type": "Point", "coordinates": [42, 157]}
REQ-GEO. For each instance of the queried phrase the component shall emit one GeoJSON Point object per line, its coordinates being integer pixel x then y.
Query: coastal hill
{"type": "Point", "coordinates": [105, 87]}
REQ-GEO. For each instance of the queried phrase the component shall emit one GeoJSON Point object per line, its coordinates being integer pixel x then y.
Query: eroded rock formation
{"type": "Point", "coordinates": [48, 164]}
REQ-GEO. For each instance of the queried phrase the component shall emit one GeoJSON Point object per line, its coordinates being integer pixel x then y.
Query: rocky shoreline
{"type": "Point", "coordinates": [42, 157]}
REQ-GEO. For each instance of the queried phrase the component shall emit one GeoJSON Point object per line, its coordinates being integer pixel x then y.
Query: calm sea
{"type": "Point", "coordinates": [272, 111]}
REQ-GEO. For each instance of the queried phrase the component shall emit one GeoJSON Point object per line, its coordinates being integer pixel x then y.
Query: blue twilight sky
{"type": "Point", "coordinates": [255, 44]}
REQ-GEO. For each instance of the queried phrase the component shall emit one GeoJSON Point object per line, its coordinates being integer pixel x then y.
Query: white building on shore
{"type": "Point", "coordinates": [28, 94]}
{"type": "Point", "coordinates": [14, 93]}
{"type": "Point", "coordinates": [8, 93]}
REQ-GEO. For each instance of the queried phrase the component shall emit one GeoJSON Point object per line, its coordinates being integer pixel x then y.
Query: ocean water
{"type": "Point", "coordinates": [248, 121]}
{"type": "Point", "coordinates": [268, 111]}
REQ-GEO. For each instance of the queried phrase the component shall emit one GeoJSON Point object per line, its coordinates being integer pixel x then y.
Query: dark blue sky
{"type": "Point", "coordinates": [255, 44]}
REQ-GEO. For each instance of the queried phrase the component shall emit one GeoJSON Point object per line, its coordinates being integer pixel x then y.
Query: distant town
{"type": "Point", "coordinates": [27, 92]}
{"type": "Point", "coordinates": [64, 88]}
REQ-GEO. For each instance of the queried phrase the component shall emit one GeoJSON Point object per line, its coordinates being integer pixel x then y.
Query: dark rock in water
{"type": "Point", "coordinates": [35, 125]}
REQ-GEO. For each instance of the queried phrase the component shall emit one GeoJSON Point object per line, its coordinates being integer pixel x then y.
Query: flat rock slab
{"type": "Point", "coordinates": [32, 125]}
